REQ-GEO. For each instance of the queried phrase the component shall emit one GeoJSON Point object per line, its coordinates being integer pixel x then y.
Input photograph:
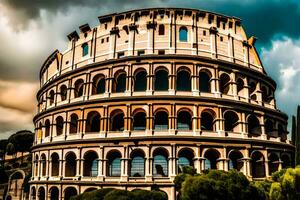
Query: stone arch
{"type": "Point", "coordinates": [119, 84]}
{"type": "Point", "coordinates": [59, 125]}
{"type": "Point", "coordinates": [139, 119]}
{"type": "Point", "coordinates": [184, 119]}
{"type": "Point", "coordinates": [137, 163]}
{"type": "Point", "coordinates": [90, 164]}
{"type": "Point", "coordinates": [205, 80]}
{"type": "Point", "coordinates": [36, 165]}
{"type": "Point", "coordinates": [47, 128]}
{"type": "Point", "coordinates": [273, 163]}
{"type": "Point", "coordinates": [161, 29]}
{"type": "Point", "coordinates": [183, 79]}
{"type": "Point", "coordinates": [73, 123]}
{"type": "Point", "coordinates": [114, 163]}
{"type": "Point", "coordinates": [240, 86]}
{"type": "Point", "coordinates": [160, 162]}
{"type": "Point", "coordinates": [33, 193]}
{"type": "Point", "coordinates": [185, 158]}
{"type": "Point", "coordinates": [63, 92]}
{"type": "Point", "coordinates": [286, 161]}
{"type": "Point", "coordinates": [51, 97]}
{"type": "Point", "coordinates": [231, 121]}
{"type": "Point", "coordinates": [252, 90]}
{"type": "Point", "coordinates": [41, 193]}
{"type": "Point", "coordinates": [54, 193]}
{"type": "Point", "coordinates": [98, 86]}
{"type": "Point", "coordinates": [70, 192]}
{"type": "Point", "coordinates": [208, 120]}
{"type": "Point", "coordinates": [269, 127]}
{"type": "Point", "coordinates": [257, 165]}
{"type": "Point", "coordinates": [93, 122]}
{"type": "Point", "coordinates": [117, 120]}
{"type": "Point", "coordinates": [225, 83]}
{"type": "Point", "coordinates": [55, 164]}
{"type": "Point", "coordinates": [161, 81]}
{"type": "Point", "coordinates": [140, 80]}
{"type": "Point", "coordinates": [235, 160]}
{"type": "Point", "coordinates": [253, 126]}
{"type": "Point", "coordinates": [161, 119]}
{"type": "Point", "coordinates": [78, 88]}
{"type": "Point", "coordinates": [211, 158]}
{"type": "Point", "coordinates": [183, 34]}
{"type": "Point", "coordinates": [43, 164]}
{"type": "Point", "coordinates": [70, 164]}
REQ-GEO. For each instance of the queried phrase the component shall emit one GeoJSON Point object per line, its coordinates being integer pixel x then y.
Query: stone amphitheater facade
{"type": "Point", "coordinates": [146, 92]}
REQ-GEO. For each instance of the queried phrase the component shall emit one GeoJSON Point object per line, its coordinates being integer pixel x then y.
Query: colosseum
{"type": "Point", "coordinates": [146, 92]}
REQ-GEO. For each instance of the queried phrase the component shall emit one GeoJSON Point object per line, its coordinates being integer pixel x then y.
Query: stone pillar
{"type": "Point", "coordinates": [195, 81]}
{"type": "Point", "coordinates": [234, 91]}
{"type": "Point", "coordinates": [124, 165]}
{"type": "Point", "coordinates": [100, 164]}
{"type": "Point", "coordinates": [150, 80]}
{"type": "Point", "coordinates": [213, 41]}
{"type": "Point", "coordinates": [172, 80]}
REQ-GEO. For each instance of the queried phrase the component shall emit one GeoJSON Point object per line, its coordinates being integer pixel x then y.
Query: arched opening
{"type": "Point", "coordinates": [207, 121]}
{"type": "Point", "coordinates": [160, 163]}
{"type": "Point", "coordinates": [70, 166]}
{"type": "Point", "coordinates": [70, 192]}
{"type": "Point", "coordinates": [139, 121]}
{"type": "Point", "coordinates": [286, 161]}
{"type": "Point", "coordinates": [280, 130]}
{"type": "Point", "coordinates": [161, 29]}
{"type": "Point", "coordinates": [231, 121]}
{"type": "Point", "coordinates": [240, 86]}
{"type": "Point", "coordinates": [183, 34]}
{"type": "Point", "coordinates": [117, 121]}
{"type": "Point", "coordinates": [41, 193]}
{"type": "Point", "coordinates": [54, 193]}
{"type": "Point", "coordinates": [161, 120]}
{"type": "Point", "coordinates": [73, 123]}
{"type": "Point", "coordinates": [224, 84]}
{"type": "Point", "coordinates": [140, 81]}
{"type": "Point", "coordinates": [47, 128]}
{"type": "Point", "coordinates": [184, 121]}
{"type": "Point", "coordinates": [183, 82]}
{"type": "Point", "coordinates": [211, 159]}
{"type": "Point", "coordinates": [36, 165]}
{"type": "Point", "coordinates": [98, 84]}
{"type": "Point", "coordinates": [258, 165]}
{"type": "Point", "coordinates": [51, 97]}
{"type": "Point", "coordinates": [185, 158]}
{"type": "Point", "coordinates": [269, 127]}
{"type": "Point", "coordinates": [63, 92]}
{"type": "Point", "coordinates": [265, 94]}
{"type": "Point", "coordinates": [33, 193]}
{"type": "Point", "coordinates": [78, 91]}
{"type": "Point", "coordinates": [254, 127]}
{"type": "Point", "coordinates": [120, 82]}
{"type": "Point", "coordinates": [161, 82]}
{"type": "Point", "coordinates": [235, 160]}
{"type": "Point", "coordinates": [204, 82]}
{"type": "Point", "coordinates": [114, 163]}
{"type": "Point", "coordinates": [137, 164]}
{"type": "Point", "coordinates": [273, 163]}
{"type": "Point", "coordinates": [93, 122]}
{"type": "Point", "coordinates": [54, 164]}
{"type": "Point", "coordinates": [85, 49]}
{"type": "Point", "coordinates": [59, 125]}
{"type": "Point", "coordinates": [252, 88]}
{"type": "Point", "coordinates": [90, 164]}
{"type": "Point", "coordinates": [43, 163]}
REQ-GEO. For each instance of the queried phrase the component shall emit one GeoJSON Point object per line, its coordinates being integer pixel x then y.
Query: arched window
{"type": "Point", "coordinates": [273, 163]}
{"type": "Point", "coordinates": [269, 126]}
{"type": "Point", "coordinates": [184, 121]}
{"type": "Point", "coordinates": [161, 121]}
{"type": "Point", "coordinates": [286, 161]}
{"type": "Point", "coordinates": [137, 164]}
{"type": "Point", "coordinates": [114, 163]}
{"type": "Point", "coordinates": [211, 159]}
{"type": "Point", "coordinates": [161, 80]}
{"type": "Point", "coordinates": [59, 125]}
{"type": "Point", "coordinates": [161, 29]}
{"type": "Point", "coordinates": [54, 164]}
{"type": "Point", "coordinates": [224, 84]}
{"type": "Point", "coordinates": [73, 123]}
{"type": "Point", "coordinates": [41, 193]}
{"type": "Point", "coordinates": [235, 160]}
{"type": "Point", "coordinates": [160, 163]}
{"type": "Point", "coordinates": [51, 97]}
{"type": "Point", "coordinates": [78, 92]}
{"type": "Point", "coordinates": [90, 165]}
{"type": "Point", "coordinates": [70, 192]}
{"type": "Point", "coordinates": [47, 127]}
{"type": "Point", "coordinates": [258, 165]}
{"type": "Point", "coordinates": [204, 81]}
{"type": "Point", "coordinates": [93, 122]}
{"type": "Point", "coordinates": [85, 49]}
{"type": "Point", "coordinates": [240, 86]}
{"type": "Point", "coordinates": [43, 162]}
{"type": "Point", "coordinates": [265, 94]}
{"type": "Point", "coordinates": [139, 121]}
{"type": "Point", "coordinates": [117, 121]}
{"type": "Point", "coordinates": [254, 127]}
{"type": "Point", "coordinates": [120, 82]}
{"type": "Point", "coordinates": [183, 34]}
{"type": "Point", "coordinates": [98, 84]}
{"type": "Point", "coordinates": [183, 82]}
{"type": "Point", "coordinates": [70, 166]}
{"type": "Point", "coordinates": [231, 121]}
{"type": "Point", "coordinates": [207, 121]}
{"type": "Point", "coordinates": [63, 92]}
{"type": "Point", "coordinates": [54, 193]}
{"type": "Point", "coordinates": [33, 193]}
{"type": "Point", "coordinates": [185, 158]}
{"type": "Point", "coordinates": [140, 81]}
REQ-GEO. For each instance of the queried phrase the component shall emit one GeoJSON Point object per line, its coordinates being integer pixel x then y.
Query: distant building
{"type": "Point", "coordinates": [146, 92]}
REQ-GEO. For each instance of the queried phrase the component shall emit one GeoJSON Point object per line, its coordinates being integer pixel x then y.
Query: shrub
{"type": "Point", "coordinates": [96, 194]}
{"type": "Point", "coordinates": [119, 195]}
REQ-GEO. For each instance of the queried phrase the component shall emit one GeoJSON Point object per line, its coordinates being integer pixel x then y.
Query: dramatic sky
{"type": "Point", "coordinates": [32, 29]}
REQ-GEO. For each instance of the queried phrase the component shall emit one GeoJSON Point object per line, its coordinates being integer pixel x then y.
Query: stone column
{"type": "Point", "coordinates": [124, 165]}
{"type": "Point", "coordinates": [100, 164]}
{"type": "Point", "coordinates": [195, 81]}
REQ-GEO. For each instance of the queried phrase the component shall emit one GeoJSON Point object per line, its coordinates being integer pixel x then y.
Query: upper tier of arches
{"type": "Point", "coordinates": [155, 32]}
